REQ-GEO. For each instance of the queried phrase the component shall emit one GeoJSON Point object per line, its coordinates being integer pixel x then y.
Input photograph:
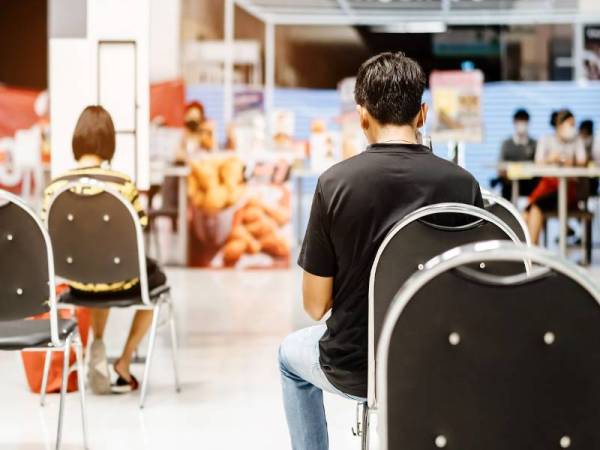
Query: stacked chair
{"type": "Point", "coordinates": [407, 247]}
{"type": "Point", "coordinates": [27, 288]}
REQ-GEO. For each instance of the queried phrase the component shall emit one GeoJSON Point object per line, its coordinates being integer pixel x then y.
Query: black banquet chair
{"type": "Point", "coordinates": [97, 238]}
{"type": "Point", "coordinates": [27, 289]}
{"type": "Point", "coordinates": [471, 360]}
{"type": "Point", "coordinates": [407, 247]}
{"type": "Point", "coordinates": [507, 212]}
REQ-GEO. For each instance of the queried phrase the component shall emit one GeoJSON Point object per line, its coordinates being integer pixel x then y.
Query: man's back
{"type": "Point", "coordinates": [356, 204]}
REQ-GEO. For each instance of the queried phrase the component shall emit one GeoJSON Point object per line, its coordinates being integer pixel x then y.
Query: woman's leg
{"type": "Point", "coordinates": [99, 319]}
{"type": "Point", "coordinates": [139, 328]}
{"type": "Point", "coordinates": [535, 222]}
{"type": "Point", "coordinates": [98, 374]}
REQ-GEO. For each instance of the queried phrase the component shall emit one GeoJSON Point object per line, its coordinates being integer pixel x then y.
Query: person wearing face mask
{"type": "Point", "coordinates": [518, 147]}
{"type": "Point", "coordinates": [356, 203]}
{"type": "Point", "coordinates": [564, 148]}
{"type": "Point", "coordinates": [592, 149]}
{"type": "Point", "coordinates": [198, 134]}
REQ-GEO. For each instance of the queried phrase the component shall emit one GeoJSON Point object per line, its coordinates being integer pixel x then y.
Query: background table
{"type": "Point", "coordinates": [523, 171]}
{"type": "Point", "coordinates": [158, 172]}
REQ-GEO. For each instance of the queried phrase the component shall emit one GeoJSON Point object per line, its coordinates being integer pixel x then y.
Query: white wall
{"type": "Point", "coordinates": [165, 38]}
{"type": "Point", "coordinates": [73, 73]}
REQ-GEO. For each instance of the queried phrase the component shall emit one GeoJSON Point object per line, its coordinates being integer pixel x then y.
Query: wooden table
{"type": "Point", "coordinates": [524, 171]}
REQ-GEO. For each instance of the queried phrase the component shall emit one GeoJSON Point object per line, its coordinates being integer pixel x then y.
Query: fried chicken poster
{"type": "Point", "coordinates": [241, 213]}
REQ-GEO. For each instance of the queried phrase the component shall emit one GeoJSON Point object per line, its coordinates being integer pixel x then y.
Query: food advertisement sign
{"type": "Point", "coordinates": [457, 110]}
{"type": "Point", "coordinates": [241, 212]}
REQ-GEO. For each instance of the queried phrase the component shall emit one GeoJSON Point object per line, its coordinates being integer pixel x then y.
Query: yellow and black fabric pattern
{"type": "Point", "coordinates": [118, 181]}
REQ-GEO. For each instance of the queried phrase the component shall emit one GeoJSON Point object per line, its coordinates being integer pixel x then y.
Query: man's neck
{"type": "Point", "coordinates": [405, 134]}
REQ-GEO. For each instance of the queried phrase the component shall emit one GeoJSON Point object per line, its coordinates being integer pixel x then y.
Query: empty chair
{"type": "Point", "coordinates": [27, 288]}
{"type": "Point", "coordinates": [470, 360]}
{"type": "Point", "coordinates": [97, 238]}
{"type": "Point", "coordinates": [507, 212]}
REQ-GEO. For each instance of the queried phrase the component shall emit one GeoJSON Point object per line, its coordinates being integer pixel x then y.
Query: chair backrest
{"type": "Point", "coordinates": [471, 361]}
{"type": "Point", "coordinates": [410, 244]}
{"type": "Point", "coordinates": [27, 285]}
{"type": "Point", "coordinates": [506, 211]}
{"type": "Point", "coordinates": [96, 235]}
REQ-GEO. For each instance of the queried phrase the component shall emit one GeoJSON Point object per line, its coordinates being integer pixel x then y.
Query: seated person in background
{"type": "Point", "coordinates": [564, 148]}
{"type": "Point", "coordinates": [93, 148]}
{"type": "Point", "coordinates": [519, 147]}
{"type": "Point", "coordinates": [356, 203]}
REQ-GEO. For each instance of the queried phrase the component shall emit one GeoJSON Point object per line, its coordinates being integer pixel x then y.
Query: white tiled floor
{"type": "Point", "coordinates": [230, 324]}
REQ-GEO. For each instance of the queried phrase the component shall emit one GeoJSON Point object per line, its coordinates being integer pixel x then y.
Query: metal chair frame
{"type": "Point", "coordinates": [164, 299]}
{"type": "Point", "coordinates": [56, 344]}
{"type": "Point", "coordinates": [467, 254]}
{"type": "Point", "coordinates": [440, 208]}
{"type": "Point", "coordinates": [494, 198]}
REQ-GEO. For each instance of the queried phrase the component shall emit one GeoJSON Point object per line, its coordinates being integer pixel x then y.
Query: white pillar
{"type": "Point", "coordinates": [228, 74]}
{"type": "Point", "coordinates": [269, 73]}
{"type": "Point", "coordinates": [577, 53]}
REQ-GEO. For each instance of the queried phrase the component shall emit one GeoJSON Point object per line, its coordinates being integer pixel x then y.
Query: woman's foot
{"type": "Point", "coordinates": [125, 381]}
{"type": "Point", "coordinates": [98, 375]}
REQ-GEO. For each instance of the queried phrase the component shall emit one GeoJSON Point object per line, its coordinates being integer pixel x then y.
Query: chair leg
{"type": "Point", "coordinates": [151, 343]}
{"type": "Point", "coordinates": [47, 361]}
{"type": "Point", "coordinates": [365, 427]}
{"type": "Point", "coordinates": [174, 345]}
{"type": "Point", "coordinates": [63, 389]}
{"type": "Point", "coordinates": [157, 252]}
{"type": "Point", "coordinates": [81, 385]}
{"type": "Point", "coordinates": [589, 241]}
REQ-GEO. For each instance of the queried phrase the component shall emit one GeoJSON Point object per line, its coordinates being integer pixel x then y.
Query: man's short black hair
{"type": "Point", "coordinates": [521, 114]}
{"type": "Point", "coordinates": [390, 86]}
{"type": "Point", "coordinates": [587, 126]}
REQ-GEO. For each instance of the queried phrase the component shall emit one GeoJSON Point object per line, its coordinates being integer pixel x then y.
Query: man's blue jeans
{"type": "Point", "coordinates": [303, 383]}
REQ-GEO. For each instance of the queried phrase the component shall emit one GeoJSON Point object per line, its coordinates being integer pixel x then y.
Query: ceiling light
{"type": "Point", "coordinates": [412, 27]}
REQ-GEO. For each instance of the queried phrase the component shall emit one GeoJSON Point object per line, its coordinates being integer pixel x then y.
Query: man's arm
{"type": "Point", "coordinates": [317, 295]}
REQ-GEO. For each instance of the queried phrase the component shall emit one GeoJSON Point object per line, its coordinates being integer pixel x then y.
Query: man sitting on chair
{"type": "Point", "coordinates": [355, 205]}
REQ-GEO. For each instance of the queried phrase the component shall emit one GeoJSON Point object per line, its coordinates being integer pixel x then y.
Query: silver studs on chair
{"type": "Point", "coordinates": [549, 338]}
{"type": "Point", "coordinates": [19, 291]}
{"type": "Point", "coordinates": [440, 441]}
{"type": "Point", "coordinates": [117, 260]}
{"type": "Point", "coordinates": [565, 442]}
{"type": "Point", "coordinates": [106, 217]}
{"type": "Point", "coordinates": [482, 265]}
{"type": "Point", "coordinates": [420, 267]}
{"type": "Point", "coordinates": [70, 217]}
{"type": "Point", "coordinates": [9, 237]}
{"type": "Point", "coordinates": [69, 260]}
{"type": "Point", "coordinates": [454, 338]}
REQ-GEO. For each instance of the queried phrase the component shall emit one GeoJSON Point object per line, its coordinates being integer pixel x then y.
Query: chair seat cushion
{"type": "Point", "coordinates": [112, 300]}
{"type": "Point", "coordinates": [21, 334]}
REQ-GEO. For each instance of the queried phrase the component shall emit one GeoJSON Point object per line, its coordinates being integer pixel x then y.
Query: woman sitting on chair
{"type": "Point", "coordinates": [93, 148]}
{"type": "Point", "coordinates": [564, 148]}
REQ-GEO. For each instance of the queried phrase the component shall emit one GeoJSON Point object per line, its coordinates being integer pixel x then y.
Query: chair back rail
{"type": "Point", "coordinates": [96, 235]}
{"type": "Point", "coordinates": [411, 243]}
{"type": "Point", "coordinates": [506, 211]}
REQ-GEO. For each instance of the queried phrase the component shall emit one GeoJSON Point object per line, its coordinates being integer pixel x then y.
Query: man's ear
{"type": "Point", "coordinates": [422, 117]}
{"type": "Point", "coordinates": [363, 117]}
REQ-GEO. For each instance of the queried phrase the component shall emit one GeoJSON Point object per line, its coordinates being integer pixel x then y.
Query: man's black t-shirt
{"type": "Point", "coordinates": [355, 205]}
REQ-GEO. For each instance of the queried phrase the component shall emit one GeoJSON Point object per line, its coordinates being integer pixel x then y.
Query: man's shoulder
{"type": "Point", "coordinates": [344, 170]}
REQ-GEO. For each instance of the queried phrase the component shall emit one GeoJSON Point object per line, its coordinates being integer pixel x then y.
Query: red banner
{"type": "Point", "coordinates": [16, 110]}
